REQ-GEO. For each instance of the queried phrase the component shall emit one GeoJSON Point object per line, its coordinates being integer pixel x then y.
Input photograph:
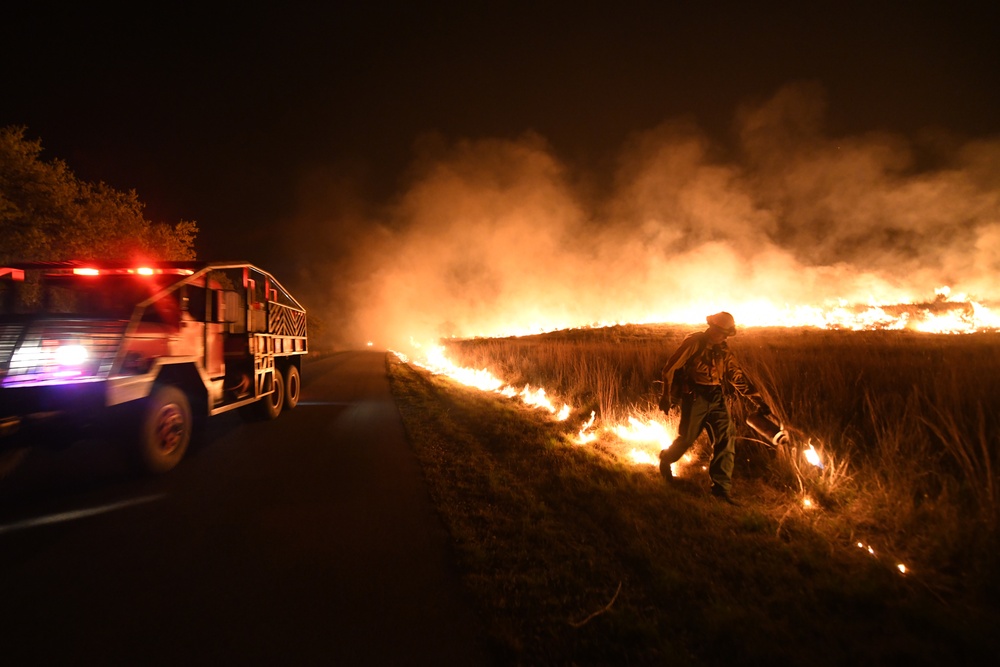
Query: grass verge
{"type": "Point", "coordinates": [576, 558]}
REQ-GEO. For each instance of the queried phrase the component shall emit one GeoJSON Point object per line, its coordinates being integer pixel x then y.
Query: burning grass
{"type": "Point", "coordinates": [897, 527]}
{"type": "Point", "coordinates": [906, 425]}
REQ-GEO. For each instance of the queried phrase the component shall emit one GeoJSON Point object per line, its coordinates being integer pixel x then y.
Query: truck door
{"type": "Point", "coordinates": [215, 328]}
{"type": "Point", "coordinates": [201, 305]}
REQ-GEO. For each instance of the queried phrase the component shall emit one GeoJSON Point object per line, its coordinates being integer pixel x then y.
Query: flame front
{"type": "Point", "coordinates": [944, 313]}
{"type": "Point", "coordinates": [645, 436]}
{"type": "Point", "coordinates": [948, 314]}
{"type": "Point", "coordinates": [436, 361]}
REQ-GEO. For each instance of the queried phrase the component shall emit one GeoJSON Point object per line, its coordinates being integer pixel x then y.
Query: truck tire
{"type": "Point", "coordinates": [272, 404]}
{"type": "Point", "coordinates": [164, 433]}
{"type": "Point", "coordinates": [293, 385]}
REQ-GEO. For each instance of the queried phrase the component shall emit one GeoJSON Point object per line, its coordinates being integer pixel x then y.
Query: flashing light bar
{"type": "Point", "coordinates": [137, 271]}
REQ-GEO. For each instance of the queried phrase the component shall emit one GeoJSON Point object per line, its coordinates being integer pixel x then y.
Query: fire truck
{"type": "Point", "coordinates": [141, 355]}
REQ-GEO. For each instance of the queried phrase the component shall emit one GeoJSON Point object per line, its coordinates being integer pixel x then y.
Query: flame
{"type": "Point", "coordinates": [944, 313]}
{"type": "Point", "coordinates": [586, 436]}
{"type": "Point", "coordinates": [436, 361]}
{"type": "Point", "coordinates": [651, 430]}
{"type": "Point", "coordinates": [813, 457]}
{"type": "Point", "coordinates": [643, 457]}
{"type": "Point", "coordinates": [650, 434]}
{"type": "Point", "coordinates": [947, 313]}
{"type": "Point", "coordinates": [538, 399]}
{"type": "Point", "coordinates": [647, 436]}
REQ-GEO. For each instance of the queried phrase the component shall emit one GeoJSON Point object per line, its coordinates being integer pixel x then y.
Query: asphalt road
{"type": "Point", "coordinates": [309, 540]}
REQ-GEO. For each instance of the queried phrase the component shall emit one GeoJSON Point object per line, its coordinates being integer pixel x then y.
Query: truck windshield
{"type": "Point", "coordinates": [113, 297]}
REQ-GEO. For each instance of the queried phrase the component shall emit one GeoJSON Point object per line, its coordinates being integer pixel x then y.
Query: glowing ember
{"type": "Point", "coordinates": [899, 566]}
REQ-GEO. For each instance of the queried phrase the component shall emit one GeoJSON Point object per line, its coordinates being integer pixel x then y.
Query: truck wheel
{"type": "Point", "coordinates": [272, 404]}
{"type": "Point", "coordinates": [165, 426]}
{"type": "Point", "coordinates": [293, 385]}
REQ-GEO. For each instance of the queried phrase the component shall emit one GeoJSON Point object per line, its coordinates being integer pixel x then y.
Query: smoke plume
{"type": "Point", "coordinates": [497, 236]}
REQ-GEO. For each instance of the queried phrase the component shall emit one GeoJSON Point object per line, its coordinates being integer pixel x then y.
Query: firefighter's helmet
{"type": "Point", "coordinates": [723, 321]}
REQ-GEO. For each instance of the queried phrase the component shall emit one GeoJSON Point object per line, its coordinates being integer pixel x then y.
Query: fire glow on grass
{"type": "Point", "coordinates": [645, 435]}
{"type": "Point", "coordinates": [438, 363]}
{"type": "Point", "coordinates": [648, 434]}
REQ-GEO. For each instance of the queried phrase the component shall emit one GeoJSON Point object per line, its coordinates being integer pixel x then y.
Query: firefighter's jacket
{"type": "Point", "coordinates": [698, 362]}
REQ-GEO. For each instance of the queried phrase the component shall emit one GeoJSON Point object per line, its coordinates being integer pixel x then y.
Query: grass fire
{"type": "Point", "coordinates": [889, 449]}
{"type": "Point", "coordinates": [861, 270]}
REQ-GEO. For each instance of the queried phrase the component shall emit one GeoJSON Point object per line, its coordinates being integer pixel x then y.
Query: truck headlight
{"type": "Point", "coordinates": [70, 355]}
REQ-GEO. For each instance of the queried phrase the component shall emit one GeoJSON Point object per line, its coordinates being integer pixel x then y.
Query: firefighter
{"type": "Point", "coordinates": [696, 377]}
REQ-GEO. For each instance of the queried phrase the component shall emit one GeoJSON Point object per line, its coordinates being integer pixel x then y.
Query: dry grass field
{"type": "Point", "coordinates": [908, 426]}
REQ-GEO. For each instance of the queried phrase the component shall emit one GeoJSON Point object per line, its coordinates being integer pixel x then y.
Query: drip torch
{"type": "Point", "coordinates": [773, 433]}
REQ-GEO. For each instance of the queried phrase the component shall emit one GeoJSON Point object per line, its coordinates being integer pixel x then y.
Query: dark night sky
{"type": "Point", "coordinates": [214, 114]}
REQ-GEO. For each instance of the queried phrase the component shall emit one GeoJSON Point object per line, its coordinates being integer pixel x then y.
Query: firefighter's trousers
{"type": "Point", "coordinates": [705, 408]}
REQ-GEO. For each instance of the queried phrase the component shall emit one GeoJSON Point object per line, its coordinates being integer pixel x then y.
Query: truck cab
{"type": "Point", "coordinates": [145, 352]}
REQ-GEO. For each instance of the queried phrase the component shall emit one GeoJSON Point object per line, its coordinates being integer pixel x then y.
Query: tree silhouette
{"type": "Point", "coordinates": [48, 214]}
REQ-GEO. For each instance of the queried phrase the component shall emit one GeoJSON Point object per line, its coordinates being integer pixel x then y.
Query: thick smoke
{"type": "Point", "coordinates": [495, 236]}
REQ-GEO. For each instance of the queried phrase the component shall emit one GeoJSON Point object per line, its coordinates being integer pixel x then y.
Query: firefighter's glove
{"type": "Point", "coordinates": [763, 410]}
{"type": "Point", "coordinates": [665, 404]}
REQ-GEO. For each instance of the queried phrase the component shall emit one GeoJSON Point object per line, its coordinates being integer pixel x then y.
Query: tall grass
{"type": "Point", "coordinates": [908, 424]}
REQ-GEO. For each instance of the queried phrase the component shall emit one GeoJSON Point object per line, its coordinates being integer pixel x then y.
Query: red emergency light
{"type": "Point", "coordinates": [139, 271]}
